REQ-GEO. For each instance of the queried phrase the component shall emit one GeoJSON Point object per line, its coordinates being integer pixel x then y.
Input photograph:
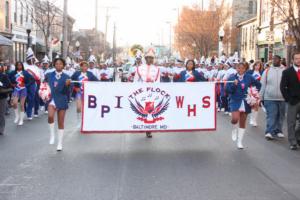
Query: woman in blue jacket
{"type": "Point", "coordinates": [190, 74]}
{"type": "Point", "coordinates": [59, 83]}
{"type": "Point", "coordinates": [81, 76]}
{"type": "Point", "coordinates": [20, 80]}
{"type": "Point", "coordinates": [237, 88]}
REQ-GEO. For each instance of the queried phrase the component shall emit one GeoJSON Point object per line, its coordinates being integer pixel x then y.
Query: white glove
{"type": "Point", "coordinates": [1, 84]}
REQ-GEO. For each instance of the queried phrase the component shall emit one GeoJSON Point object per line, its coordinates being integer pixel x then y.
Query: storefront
{"type": "Point", "coordinates": [266, 39]}
{"type": "Point", "coordinates": [20, 45]}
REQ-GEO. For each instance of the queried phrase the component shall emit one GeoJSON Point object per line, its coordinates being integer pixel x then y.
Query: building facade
{"type": "Point", "coordinates": [248, 46]}
{"type": "Point", "coordinates": [5, 29]}
{"type": "Point", "coordinates": [20, 19]}
{"type": "Point", "coordinates": [238, 11]}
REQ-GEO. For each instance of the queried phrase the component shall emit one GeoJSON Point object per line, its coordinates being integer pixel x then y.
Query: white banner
{"type": "Point", "coordinates": [139, 107]}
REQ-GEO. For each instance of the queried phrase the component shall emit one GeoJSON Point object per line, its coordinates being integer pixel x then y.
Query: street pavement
{"type": "Point", "coordinates": [171, 166]}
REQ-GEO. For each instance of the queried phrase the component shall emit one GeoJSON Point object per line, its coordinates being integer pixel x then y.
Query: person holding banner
{"type": "Point", "coordinates": [148, 73]}
{"type": "Point", "coordinates": [80, 77]}
{"type": "Point", "coordinates": [59, 83]}
{"type": "Point", "coordinates": [190, 74]}
{"type": "Point", "coordinates": [237, 88]}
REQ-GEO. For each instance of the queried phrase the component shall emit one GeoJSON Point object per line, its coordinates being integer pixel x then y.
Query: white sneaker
{"type": "Point", "coordinates": [46, 112]}
{"type": "Point", "coordinates": [269, 136]}
{"type": "Point", "coordinates": [226, 113]}
{"type": "Point", "coordinates": [280, 135]}
{"type": "Point", "coordinates": [35, 116]}
{"type": "Point", "coordinates": [30, 118]}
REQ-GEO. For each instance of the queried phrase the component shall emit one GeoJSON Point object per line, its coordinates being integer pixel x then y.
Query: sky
{"type": "Point", "coordinates": [137, 21]}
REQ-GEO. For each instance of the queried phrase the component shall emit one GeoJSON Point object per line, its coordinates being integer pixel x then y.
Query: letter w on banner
{"type": "Point", "coordinates": [139, 107]}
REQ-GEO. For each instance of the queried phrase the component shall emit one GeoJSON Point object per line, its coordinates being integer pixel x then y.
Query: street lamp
{"type": "Point", "coordinates": [61, 44]}
{"type": "Point", "coordinates": [28, 27]}
{"type": "Point", "coordinates": [221, 37]}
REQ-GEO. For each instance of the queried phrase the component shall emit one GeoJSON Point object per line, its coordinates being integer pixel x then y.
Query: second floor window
{"type": "Point", "coordinates": [6, 15]}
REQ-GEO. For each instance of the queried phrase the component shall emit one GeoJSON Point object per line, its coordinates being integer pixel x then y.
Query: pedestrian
{"type": "Point", "coordinates": [148, 73]}
{"type": "Point", "coordinates": [237, 88]}
{"type": "Point", "coordinates": [5, 89]}
{"type": "Point", "coordinates": [81, 76]}
{"type": "Point", "coordinates": [58, 83]}
{"type": "Point", "coordinates": [272, 99]}
{"type": "Point", "coordinates": [256, 73]}
{"type": "Point", "coordinates": [20, 79]}
{"type": "Point", "coordinates": [190, 74]}
{"type": "Point", "coordinates": [290, 88]}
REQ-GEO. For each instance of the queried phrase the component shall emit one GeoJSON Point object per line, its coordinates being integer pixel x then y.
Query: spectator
{"type": "Point", "coordinates": [4, 90]}
{"type": "Point", "coordinates": [290, 88]}
{"type": "Point", "coordinates": [273, 99]}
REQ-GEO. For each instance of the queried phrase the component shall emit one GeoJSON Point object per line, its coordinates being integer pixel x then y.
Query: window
{"type": "Point", "coordinates": [16, 11]}
{"type": "Point", "coordinates": [6, 15]}
{"type": "Point", "coordinates": [27, 13]}
{"type": "Point", "coordinates": [21, 16]}
{"type": "Point", "coordinates": [250, 7]}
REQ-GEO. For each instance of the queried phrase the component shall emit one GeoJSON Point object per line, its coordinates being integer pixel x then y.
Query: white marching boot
{"type": "Point", "coordinates": [234, 133]}
{"type": "Point", "coordinates": [254, 118]}
{"type": "Point", "coordinates": [17, 116]}
{"type": "Point", "coordinates": [241, 133]}
{"type": "Point", "coordinates": [21, 122]}
{"type": "Point", "coordinates": [52, 133]}
{"type": "Point", "coordinates": [60, 139]}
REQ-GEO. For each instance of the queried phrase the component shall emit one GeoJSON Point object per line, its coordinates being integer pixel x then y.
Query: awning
{"type": "Point", "coordinates": [5, 42]}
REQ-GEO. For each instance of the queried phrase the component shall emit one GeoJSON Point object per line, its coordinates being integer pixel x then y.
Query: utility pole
{"type": "Point", "coordinates": [65, 30]}
{"type": "Point", "coordinates": [96, 15]}
{"type": "Point", "coordinates": [106, 24]}
{"type": "Point", "coordinates": [114, 52]}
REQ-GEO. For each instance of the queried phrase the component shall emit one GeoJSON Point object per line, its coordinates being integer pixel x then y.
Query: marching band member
{"type": "Point", "coordinates": [82, 76]}
{"type": "Point", "coordinates": [138, 62]}
{"type": "Point", "coordinates": [105, 74]}
{"type": "Point", "coordinates": [31, 88]}
{"type": "Point", "coordinates": [58, 83]}
{"type": "Point", "coordinates": [257, 74]}
{"type": "Point", "coordinates": [177, 70]}
{"type": "Point", "coordinates": [238, 105]}
{"type": "Point", "coordinates": [46, 69]}
{"type": "Point", "coordinates": [148, 73]}
{"type": "Point", "coordinates": [20, 79]}
{"type": "Point", "coordinates": [165, 72]}
{"type": "Point", "coordinates": [92, 68]}
{"type": "Point", "coordinates": [190, 74]}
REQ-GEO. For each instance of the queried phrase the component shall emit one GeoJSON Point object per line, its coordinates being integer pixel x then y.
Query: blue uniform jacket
{"type": "Point", "coordinates": [75, 77]}
{"type": "Point", "coordinates": [59, 90]}
{"type": "Point", "coordinates": [238, 93]}
{"type": "Point", "coordinates": [197, 76]}
{"type": "Point", "coordinates": [28, 78]}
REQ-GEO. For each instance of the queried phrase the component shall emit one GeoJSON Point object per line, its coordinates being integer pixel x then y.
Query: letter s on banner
{"type": "Point", "coordinates": [206, 102]}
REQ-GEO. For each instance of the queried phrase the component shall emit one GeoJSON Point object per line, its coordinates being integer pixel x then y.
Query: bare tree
{"type": "Point", "coordinates": [45, 15]}
{"type": "Point", "coordinates": [289, 12]}
{"type": "Point", "coordinates": [197, 30]}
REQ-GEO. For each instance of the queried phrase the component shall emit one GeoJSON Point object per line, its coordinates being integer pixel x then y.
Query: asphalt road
{"type": "Point", "coordinates": [171, 166]}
